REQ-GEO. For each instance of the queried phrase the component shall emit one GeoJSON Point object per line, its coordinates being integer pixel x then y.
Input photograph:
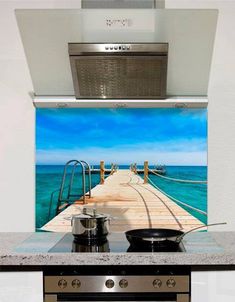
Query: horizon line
{"type": "Point", "coordinates": [60, 164]}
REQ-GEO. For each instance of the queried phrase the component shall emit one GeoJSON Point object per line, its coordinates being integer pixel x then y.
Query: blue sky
{"type": "Point", "coordinates": [162, 136]}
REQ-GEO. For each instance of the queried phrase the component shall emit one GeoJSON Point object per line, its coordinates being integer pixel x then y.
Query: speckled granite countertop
{"type": "Point", "coordinates": [212, 248]}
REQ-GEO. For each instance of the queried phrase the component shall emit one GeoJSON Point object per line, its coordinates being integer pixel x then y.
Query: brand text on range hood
{"type": "Point", "coordinates": [117, 70]}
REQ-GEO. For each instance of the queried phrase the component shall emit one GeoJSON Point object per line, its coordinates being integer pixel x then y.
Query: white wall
{"type": "Point", "coordinates": [221, 117]}
{"type": "Point", "coordinates": [17, 186]}
{"type": "Point", "coordinates": [17, 178]}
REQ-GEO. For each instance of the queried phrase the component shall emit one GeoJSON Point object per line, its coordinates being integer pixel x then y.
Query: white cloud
{"type": "Point", "coordinates": [123, 156]}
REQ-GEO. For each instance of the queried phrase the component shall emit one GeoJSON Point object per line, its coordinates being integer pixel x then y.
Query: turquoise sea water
{"type": "Point", "coordinates": [48, 180]}
{"type": "Point", "coordinates": [192, 194]}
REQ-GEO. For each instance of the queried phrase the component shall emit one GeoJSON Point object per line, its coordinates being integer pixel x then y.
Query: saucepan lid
{"type": "Point", "coordinates": [89, 213]}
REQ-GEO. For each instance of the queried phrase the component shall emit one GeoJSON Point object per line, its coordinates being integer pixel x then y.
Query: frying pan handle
{"type": "Point", "coordinates": [180, 237]}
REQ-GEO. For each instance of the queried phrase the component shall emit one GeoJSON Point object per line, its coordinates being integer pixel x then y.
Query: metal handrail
{"type": "Point", "coordinates": [62, 187]}
{"type": "Point", "coordinates": [64, 178]}
{"type": "Point", "coordinates": [89, 175]}
{"type": "Point", "coordinates": [71, 180]}
{"type": "Point", "coordinates": [51, 201]}
{"type": "Point", "coordinates": [50, 206]}
{"type": "Point", "coordinates": [83, 180]}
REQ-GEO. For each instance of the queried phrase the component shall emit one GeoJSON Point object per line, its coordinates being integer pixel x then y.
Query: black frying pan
{"type": "Point", "coordinates": [160, 238]}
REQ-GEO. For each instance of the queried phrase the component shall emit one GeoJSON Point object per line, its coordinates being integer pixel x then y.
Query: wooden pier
{"type": "Point", "coordinates": [132, 204]}
{"type": "Point", "coordinates": [137, 170]}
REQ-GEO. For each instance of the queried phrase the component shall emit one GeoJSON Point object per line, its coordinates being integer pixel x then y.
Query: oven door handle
{"type": "Point", "coordinates": [183, 298]}
{"type": "Point", "coordinates": [179, 298]}
{"type": "Point", "coordinates": [50, 298]}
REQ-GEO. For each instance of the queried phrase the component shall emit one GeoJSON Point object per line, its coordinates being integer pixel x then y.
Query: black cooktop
{"type": "Point", "coordinates": [112, 245]}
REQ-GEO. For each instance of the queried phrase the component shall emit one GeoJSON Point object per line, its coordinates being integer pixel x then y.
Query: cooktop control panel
{"type": "Point", "coordinates": [117, 283]}
{"type": "Point", "coordinates": [131, 284]}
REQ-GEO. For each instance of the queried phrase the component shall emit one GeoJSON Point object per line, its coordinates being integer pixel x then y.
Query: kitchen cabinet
{"type": "Point", "coordinates": [213, 286]}
{"type": "Point", "coordinates": [21, 287]}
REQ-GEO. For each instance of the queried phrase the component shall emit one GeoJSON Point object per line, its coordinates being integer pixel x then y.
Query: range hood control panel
{"type": "Point", "coordinates": [76, 49]}
{"type": "Point", "coordinates": [117, 47]}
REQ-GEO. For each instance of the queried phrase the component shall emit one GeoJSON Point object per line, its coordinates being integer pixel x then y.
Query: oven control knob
{"type": "Point", "coordinates": [109, 283]}
{"type": "Point", "coordinates": [62, 283]}
{"type": "Point", "coordinates": [76, 283]}
{"type": "Point", "coordinates": [123, 283]}
{"type": "Point", "coordinates": [170, 283]}
{"type": "Point", "coordinates": [157, 283]}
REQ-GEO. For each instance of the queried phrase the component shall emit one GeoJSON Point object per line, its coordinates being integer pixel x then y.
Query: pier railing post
{"type": "Point", "coordinates": [102, 170]}
{"type": "Point", "coordinates": [135, 168]}
{"type": "Point", "coordinates": [146, 171]}
{"type": "Point", "coordinates": [112, 169]}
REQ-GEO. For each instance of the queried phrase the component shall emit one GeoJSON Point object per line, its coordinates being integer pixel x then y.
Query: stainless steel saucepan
{"type": "Point", "coordinates": [90, 226]}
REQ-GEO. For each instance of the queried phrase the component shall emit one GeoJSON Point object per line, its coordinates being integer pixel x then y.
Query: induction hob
{"type": "Point", "coordinates": [112, 245]}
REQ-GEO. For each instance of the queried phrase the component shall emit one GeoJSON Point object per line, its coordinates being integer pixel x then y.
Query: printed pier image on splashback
{"type": "Point", "coordinates": [143, 167]}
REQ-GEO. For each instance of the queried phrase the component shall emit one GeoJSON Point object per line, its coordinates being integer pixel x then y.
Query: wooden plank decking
{"type": "Point", "coordinates": [132, 203]}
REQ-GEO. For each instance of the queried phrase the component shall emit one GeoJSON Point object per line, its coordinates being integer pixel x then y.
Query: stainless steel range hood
{"type": "Point", "coordinates": [117, 70]}
{"type": "Point", "coordinates": [102, 4]}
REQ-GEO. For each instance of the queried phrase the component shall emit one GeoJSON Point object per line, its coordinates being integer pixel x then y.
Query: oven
{"type": "Point", "coordinates": [156, 284]}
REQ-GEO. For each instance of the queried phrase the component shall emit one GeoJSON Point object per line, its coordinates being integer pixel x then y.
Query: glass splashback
{"type": "Point", "coordinates": [173, 141]}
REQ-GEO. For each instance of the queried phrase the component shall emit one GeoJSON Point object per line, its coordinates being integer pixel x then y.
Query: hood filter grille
{"type": "Point", "coordinates": [118, 75]}
{"type": "Point", "coordinates": [119, 71]}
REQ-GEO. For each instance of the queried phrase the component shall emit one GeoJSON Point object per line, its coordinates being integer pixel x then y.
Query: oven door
{"type": "Point", "coordinates": [154, 297]}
